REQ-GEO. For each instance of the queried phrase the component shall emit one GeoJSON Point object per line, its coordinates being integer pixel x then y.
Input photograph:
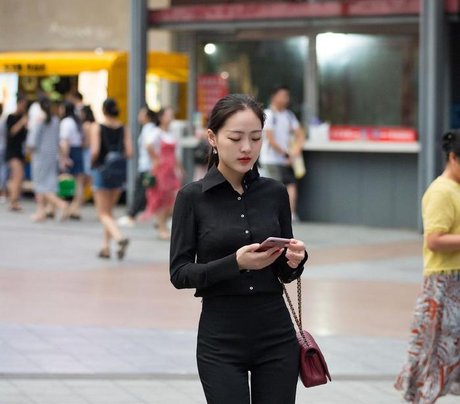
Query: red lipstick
{"type": "Point", "coordinates": [245, 160]}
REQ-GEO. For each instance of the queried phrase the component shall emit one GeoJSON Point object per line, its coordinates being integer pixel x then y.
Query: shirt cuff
{"type": "Point", "coordinates": [223, 269]}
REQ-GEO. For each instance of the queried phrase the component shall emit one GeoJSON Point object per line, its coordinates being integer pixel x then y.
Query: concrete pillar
{"type": "Point", "coordinates": [311, 81]}
{"type": "Point", "coordinates": [432, 100]}
{"type": "Point", "coordinates": [137, 71]}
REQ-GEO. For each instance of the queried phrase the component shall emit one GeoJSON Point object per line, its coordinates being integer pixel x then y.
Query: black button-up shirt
{"type": "Point", "coordinates": [211, 221]}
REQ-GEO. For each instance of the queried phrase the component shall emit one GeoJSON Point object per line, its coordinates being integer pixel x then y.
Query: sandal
{"type": "Point", "coordinates": [122, 246]}
{"type": "Point", "coordinates": [63, 213]}
{"type": "Point", "coordinates": [104, 253]}
{"type": "Point", "coordinates": [15, 207]}
{"type": "Point", "coordinates": [38, 218]}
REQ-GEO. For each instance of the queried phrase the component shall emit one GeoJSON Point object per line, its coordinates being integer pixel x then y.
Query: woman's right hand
{"type": "Point", "coordinates": [248, 259]}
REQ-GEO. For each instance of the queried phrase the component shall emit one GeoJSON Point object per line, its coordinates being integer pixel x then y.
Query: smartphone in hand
{"type": "Point", "coordinates": [273, 242]}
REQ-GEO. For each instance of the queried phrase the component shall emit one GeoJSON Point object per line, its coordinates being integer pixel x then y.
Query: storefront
{"type": "Point", "coordinates": [96, 75]}
{"type": "Point", "coordinates": [352, 65]}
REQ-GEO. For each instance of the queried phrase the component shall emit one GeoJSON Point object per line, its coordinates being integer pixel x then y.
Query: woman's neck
{"type": "Point", "coordinates": [109, 121]}
{"type": "Point", "coordinates": [447, 173]}
{"type": "Point", "coordinates": [233, 177]}
{"type": "Point", "coordinates": [164, 127]}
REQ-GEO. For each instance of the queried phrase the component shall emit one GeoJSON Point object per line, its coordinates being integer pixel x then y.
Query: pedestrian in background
{"type": "Point", "coordinates": [147, 155]}
{"type": "Point", "coordinates": [201, 155]}
{"type": "Point", "coordinates": [218, 225]}
{"type": "Point", "coordinates": [43, 144]}
{"type": "Point", "coordinates": [16, 125]}
{"type": "Point", "coordinates": [167, 171]}
{"type": "Point", "coordinates": [109, 136]}
{"type": "Point", "coordinates": [87, 123]}
{"type": "Point", "coordinates": [433, 367]}
{"type": "Point", "coordinates": [284, 139]}
{"type": "Point", "coordinates": [72, 148]}
{"type": "Point", "coordinates": [3, 166]}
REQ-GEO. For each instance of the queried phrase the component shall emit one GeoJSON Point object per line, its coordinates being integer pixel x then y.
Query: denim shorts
{"type": "Point", "coordinates": [98, 181]}
{"type": "Point", "coordinates": [76, 155]}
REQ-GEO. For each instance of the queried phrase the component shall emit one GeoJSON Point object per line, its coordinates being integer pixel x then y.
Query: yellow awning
{"type": "Point", "coordinates": [168, 66]}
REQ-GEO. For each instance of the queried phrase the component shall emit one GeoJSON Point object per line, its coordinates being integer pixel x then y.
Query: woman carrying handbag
{"type": "Point", "coordinates": [218, 225]}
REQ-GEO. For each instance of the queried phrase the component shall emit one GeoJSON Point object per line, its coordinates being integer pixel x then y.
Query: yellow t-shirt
{"type": "Point", "coordinates": [441, 214]}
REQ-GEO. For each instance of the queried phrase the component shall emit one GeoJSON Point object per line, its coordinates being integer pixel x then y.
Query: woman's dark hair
{"type": "Point", "coordinates": [152, 116]}
{"type": "Point", "coordinates": [451, 142]}
{"type": "Point", "coordinates": [110, 108]}
{"type": "Point", "coordinates": [69, 112]}
{"type": "Point", "coordinates": [87, 114]}
{"type": "Point", "coordinates": [277, 89]}
{"type": "Point", "coordinates": [45, 105]}
{"type": "Point", "coordinates": [224, 109]}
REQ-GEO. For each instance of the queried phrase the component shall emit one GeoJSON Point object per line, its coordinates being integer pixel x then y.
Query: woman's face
{"type": "Point", "coordinates": [167, 117]}
{"type": "Point", "coordinates": [239, 141]}
{"type": "Point", "coordinates": [142, 116]}
{"type": "Point", "coordinates": [61, 110]}
{"type": "Point", "coordinates": [22, 106]}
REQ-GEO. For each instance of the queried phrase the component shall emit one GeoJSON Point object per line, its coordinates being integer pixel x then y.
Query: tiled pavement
{"type": "Point", "coordinates": [74, 329]}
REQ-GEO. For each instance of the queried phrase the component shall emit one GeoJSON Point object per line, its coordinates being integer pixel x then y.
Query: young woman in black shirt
{"type": "Point", "coordinates": [218, 224]}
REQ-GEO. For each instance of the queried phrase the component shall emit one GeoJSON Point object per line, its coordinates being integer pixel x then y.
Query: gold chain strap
{"type": "Point", "coordinates": [297, 319]}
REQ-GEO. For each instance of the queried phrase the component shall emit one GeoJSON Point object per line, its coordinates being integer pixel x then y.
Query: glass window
{"type": "Point", "coordinates": [255, 67]}
{"type": "Point", "coordinates": [368, 79]}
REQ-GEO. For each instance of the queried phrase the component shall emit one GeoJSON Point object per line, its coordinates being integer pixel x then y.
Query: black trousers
{"type": "Point", "coordinates": [139, 200]}
{"type": "Point", "coordinates": [247, 336]}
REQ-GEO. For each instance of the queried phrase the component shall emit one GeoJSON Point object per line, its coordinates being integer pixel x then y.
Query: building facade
{"type": "Point", "coordinates": [381, 73]}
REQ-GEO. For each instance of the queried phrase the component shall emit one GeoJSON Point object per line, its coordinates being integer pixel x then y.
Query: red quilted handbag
{"type": "Point", "coordinates": [313, 367]}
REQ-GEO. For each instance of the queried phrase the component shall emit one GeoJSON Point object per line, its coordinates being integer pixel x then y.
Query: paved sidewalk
{"type": "Point", "coordinates": [75, 329]}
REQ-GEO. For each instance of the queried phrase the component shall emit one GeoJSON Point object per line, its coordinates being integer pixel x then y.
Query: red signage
{"type": "Point", "coordinates": [210, 89]}
{"type": "Point", "coordinates": [372, 133]}
{"type": "Point", "coordinates": [251, 10]}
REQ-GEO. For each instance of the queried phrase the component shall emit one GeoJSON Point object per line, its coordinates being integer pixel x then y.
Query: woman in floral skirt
{"type": "Point", "coordinates": [433, 366]}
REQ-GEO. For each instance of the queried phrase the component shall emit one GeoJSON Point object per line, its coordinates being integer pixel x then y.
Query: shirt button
{"type": "Point", "coordinates": [239, 198]}
{"type": "Point", "coordinates": [251, 287]}
{"type": "Point", "coordinates": [242, 215]}
{"type": "Point", "coordinates": [246, 231]}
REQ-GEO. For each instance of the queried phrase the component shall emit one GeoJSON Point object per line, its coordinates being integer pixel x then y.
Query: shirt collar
{"type": "Point", "coordinates": [214, 177]}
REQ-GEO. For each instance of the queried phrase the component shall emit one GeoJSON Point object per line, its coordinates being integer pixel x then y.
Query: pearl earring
{"type": "Point", "coordinates": [214, 151]}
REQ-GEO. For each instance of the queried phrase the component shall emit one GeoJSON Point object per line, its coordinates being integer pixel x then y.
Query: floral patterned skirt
{"type": "Point", "coordinates": [433, 366]}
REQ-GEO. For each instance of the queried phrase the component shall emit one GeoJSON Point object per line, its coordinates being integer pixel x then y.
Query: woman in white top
{"type": "Point", "coordinates": [71, 137]}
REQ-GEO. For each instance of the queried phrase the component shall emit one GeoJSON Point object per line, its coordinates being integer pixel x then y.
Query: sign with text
{"type": "Point", "coordinates": [372, 133]}
{"type": "Point", "coordinates": [210, 89]}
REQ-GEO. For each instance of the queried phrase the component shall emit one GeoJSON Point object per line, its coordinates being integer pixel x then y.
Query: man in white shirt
{"type": "Point", "coordinates": [284, 139]}
{"type": "Point", "coordinates": [147, 141]}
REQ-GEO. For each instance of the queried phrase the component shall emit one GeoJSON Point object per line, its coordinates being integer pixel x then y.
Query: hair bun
{"type": "Point", "coordinates": [448, 140]}
{"type": "Point", "coordinates": [451, 142]}
{"type": "Point", "coordinates": [110, 107]}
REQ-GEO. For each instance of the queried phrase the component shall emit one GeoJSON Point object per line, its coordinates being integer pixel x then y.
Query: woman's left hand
{"type": "Point", "coordinates": [295, 253]}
